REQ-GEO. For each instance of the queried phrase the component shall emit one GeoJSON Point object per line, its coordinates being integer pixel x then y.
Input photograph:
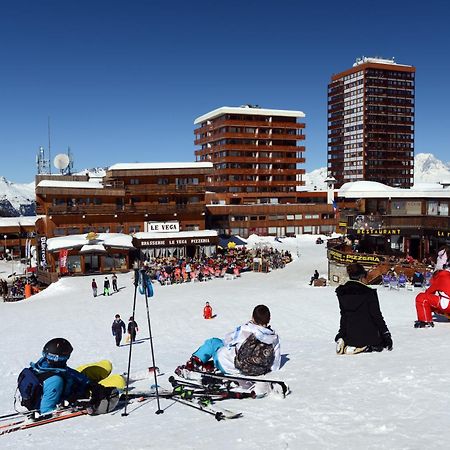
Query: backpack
{"type": "Point", "coordinates": [30, 387]}
{"type": "Point", "coordinates": [254, 357]}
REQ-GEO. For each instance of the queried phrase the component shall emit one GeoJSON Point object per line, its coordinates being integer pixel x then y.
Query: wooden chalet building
{"type": "Point", "coordinates": [127, 200]}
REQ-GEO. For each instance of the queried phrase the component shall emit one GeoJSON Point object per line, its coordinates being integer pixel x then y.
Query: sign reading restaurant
{"type": "Point", "coordinates": [380, 231]}
{"type": "Point", "coordinates": [162, 227]}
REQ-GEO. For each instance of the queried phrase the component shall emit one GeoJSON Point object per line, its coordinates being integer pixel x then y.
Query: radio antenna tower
{"type": "Point", "coordinates": [43, 164]}
{"type": "Point", "coordinates": [49, 148]}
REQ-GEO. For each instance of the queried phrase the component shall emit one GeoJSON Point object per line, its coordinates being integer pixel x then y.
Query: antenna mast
{"type": "Point", "coordinates": [49, 150]}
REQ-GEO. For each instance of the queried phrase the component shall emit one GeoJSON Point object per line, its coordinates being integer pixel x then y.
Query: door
{"type": "Point", "coordinates": [91, 263]}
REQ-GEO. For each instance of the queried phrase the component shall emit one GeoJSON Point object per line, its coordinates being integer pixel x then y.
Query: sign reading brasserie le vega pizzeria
{"type": "Point", "coordinates": [163, 227]}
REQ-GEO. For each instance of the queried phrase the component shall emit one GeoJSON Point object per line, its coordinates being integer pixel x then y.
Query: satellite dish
{"type": "Point", "coordinates": [61, 161]}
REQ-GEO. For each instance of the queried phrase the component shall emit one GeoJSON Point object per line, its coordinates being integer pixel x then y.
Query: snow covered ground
{"type": "Point", "coordinates": [391, 400]}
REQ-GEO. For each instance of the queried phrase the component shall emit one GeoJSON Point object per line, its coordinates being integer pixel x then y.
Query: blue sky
{"type": "Point", "coordinates": [123, 81]}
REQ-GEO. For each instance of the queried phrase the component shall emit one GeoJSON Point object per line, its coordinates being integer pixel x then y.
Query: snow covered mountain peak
{"type": "Point", "coordinates": [430, 169]}
{"type": "Point", "coordinates": [427, 169]}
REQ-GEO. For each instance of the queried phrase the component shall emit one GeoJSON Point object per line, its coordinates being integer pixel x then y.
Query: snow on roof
{"type": "Point", "coordinates": [180, 235]}
{"type": "Point", "coordinates": [117, 240]}
{"type": "Point", "coordinates": [93, 248]}
{"type": "Point", "coordinates": [18, 221]}
{"type": "Point", "coordinates": [377, 60]}
{"type": "Point", "coordinates": [373, 189]}
{"type": "Point", "coordinates": [162, 165]}
{"type": "Point", "coordinates": [248, 110]}
{"type": "Point", "coordinates": [94, 184]}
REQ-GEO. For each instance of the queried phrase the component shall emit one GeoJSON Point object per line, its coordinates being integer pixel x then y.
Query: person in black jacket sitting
{"type": "Point", "coordinates": [362, 327]}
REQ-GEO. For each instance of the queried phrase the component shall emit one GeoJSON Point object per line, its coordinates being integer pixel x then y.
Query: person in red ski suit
{"type": "Point", "coordinates": [207, 311]}
{"type": "Point", "coordinates": [435, 299]}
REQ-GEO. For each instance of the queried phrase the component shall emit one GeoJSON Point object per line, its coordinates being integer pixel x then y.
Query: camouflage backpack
{"type": "Point", "coordinates": [254, 357]}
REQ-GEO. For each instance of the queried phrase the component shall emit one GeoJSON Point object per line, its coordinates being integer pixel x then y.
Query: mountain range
{"type": "Point", "coordinates": [19, 199]}
{"type": "Point", "coordinates": [427, 169]}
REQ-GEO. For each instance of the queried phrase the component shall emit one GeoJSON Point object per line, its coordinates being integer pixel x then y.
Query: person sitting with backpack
{"type": "Point", "coordinates": [251, 349]}
{"type": "Point", "coordinates": [49, 382]}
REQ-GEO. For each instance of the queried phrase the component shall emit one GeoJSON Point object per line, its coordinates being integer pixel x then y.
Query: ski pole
{"type": "Point", "coordinates": [145, 280]}
{"type": "Point", "coordinates": [136, 281]}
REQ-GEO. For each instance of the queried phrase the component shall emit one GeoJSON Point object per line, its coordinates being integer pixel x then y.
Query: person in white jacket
{"type": "Point", "coordinates": [251, 349]}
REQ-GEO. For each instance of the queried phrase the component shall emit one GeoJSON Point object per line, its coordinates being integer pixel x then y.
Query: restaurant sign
{"type": "Point", "coordinates": [379, 231]}
{"type": "Point", "coordinates": [176, 242]}
{"type": "Point", "coordinates": [163, 227]}
{"type": "Point", "coordinates": [347, 258]}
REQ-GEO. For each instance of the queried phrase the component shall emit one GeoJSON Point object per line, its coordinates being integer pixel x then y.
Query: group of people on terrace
{"type": "Point", "coordinates": [232, 261]}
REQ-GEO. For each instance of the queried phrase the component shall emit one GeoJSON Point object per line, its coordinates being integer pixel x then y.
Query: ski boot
{"type": "Point", "coordinates": [422, 324]}
{"type": "Point", "coordinates": [194, 364]}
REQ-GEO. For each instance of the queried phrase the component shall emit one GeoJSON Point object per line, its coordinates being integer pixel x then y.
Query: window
{"type": "Point", "coordinates": [432, 208]}
{"type": "Point", "coordinates": [443, 209]}
{"type": "Point", "coordinates": [134, 229]}
{"type": "Point", "coordinates": [134, 181]}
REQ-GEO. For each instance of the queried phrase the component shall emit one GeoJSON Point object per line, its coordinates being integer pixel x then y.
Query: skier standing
{"type": "Point", "coordinates": [132, 328]}
{"type": "Point", "coordinates": [106, 287]}
{"type": "Point", "coordinates": [94, 287]}
{"type": "Point", "coordinates": [114, 283]}
{"type": "Point", "coordinates": [117, 328]}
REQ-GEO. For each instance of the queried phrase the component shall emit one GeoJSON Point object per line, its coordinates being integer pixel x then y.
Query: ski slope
{"type": "Point", "coordinates": [391, 400]}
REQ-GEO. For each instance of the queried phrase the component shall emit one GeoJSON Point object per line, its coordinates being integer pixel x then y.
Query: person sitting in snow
{"type": "Point", "coordinates": [362, 327]}
{"type": "Point", "coordinates": [435, 299]}
{"type": "Point", "coordinates": [251, 349]}
{"type": "Point", "coordinates": [207, 311]}
{"type": "Point", "coordinates": [314, 277]}
{"type": "Point", "coordinates": [62, 383]}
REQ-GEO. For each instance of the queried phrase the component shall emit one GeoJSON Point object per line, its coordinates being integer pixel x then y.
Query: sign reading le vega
{"type": "Point", "coordinates": [163, 227]}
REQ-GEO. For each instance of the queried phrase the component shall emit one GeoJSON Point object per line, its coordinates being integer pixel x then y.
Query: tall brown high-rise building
{"type": "Point", "coordinates": [371, 123]}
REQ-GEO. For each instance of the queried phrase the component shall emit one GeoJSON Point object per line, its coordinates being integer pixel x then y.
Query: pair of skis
{"type": "Point", "coordinates": [197, 397]}
{"type": "Point", "coordinates": [261, 385]}
{"type": "Point", "coordinates": [25, 422]}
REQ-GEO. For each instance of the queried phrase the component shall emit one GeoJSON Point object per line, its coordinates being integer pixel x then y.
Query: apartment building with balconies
{"type": "Point", "coordinates": [371, 113]}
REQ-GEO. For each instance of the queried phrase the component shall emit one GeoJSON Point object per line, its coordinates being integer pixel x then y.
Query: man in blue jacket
{"type": "Point", "coordinates": [117, 328]}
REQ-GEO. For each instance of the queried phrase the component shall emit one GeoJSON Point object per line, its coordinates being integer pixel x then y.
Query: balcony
{"type": "Point", "coordinates": [164, 208]}
{"type": "Point", "coordinates": [248, 124]}
{"type": "Point", "coordinates": [259, 136]}
{"type": "Point", "coordinates": [164, 189]}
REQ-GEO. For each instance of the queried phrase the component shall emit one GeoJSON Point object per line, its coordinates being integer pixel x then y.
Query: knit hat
{"type": "Point", "coordinates": [356, 271]}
